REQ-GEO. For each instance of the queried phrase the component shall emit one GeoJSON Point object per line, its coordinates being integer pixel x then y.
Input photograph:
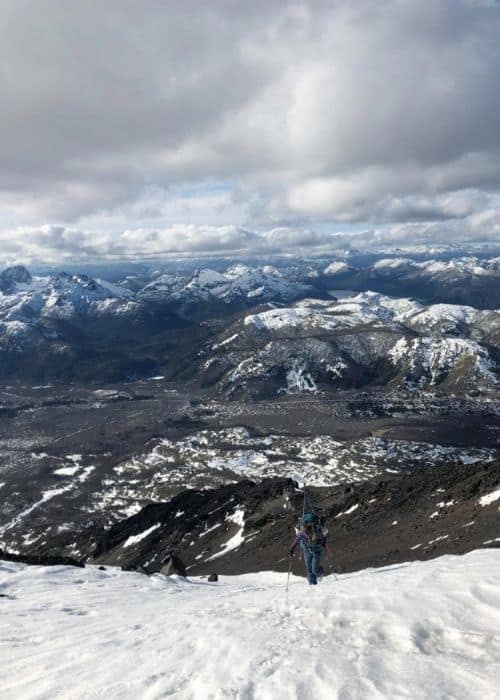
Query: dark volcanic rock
{"type": "Point", "coordinates": [41, 559]}
{"type": "Point", "coordinates": [248, 527]}
{"type": "Point", "coordinates": [193, 523]}
{"type": "Point", "coordinates": [173, 564]}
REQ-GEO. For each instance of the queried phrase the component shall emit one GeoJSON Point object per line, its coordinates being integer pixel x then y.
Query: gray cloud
{"type": "Point", "coordinates": [129, 115]}
{"type": "Point", "coordinates": [52, 244]}
{"type": "Point", "coordinates": [59, 244]}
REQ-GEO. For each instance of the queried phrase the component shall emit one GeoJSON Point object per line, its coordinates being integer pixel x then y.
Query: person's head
{"type": "Point", "coordinates": [308, 519]}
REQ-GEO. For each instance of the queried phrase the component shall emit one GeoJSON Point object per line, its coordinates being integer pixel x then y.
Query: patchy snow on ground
{"type": "Point", "coordinates": [429, 359]}
{"type": "Point", "coordinates": [298, 379]}
{"type": "Point", "coordinates": [489, 498]}
{"type": "Point", "coordinates": [238, 518]}
{"type": "Point", "coordinates": [421, 630]}
{"type": "Point", "coordinates": [46, 496]}
{"type": "Point", "coordinates": [141, 536]}
{"type": "Point", "coordinates": [430, 344]}
{"type": "Point", "coordinates": [220, 456]}
{"type": "Point", "coordinates": [348, 511]}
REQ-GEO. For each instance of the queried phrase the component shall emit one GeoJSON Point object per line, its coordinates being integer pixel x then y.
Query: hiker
{"type": "Point", "coordinates": [312, 541]}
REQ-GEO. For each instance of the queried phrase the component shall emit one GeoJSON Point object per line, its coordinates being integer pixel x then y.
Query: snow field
{"type": "Point", "coordinates": [421, 630]}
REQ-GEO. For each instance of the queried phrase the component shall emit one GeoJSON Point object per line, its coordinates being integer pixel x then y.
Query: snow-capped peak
{"type": "Point", "coordinates": [11, 277]}
{"type": "Point", "coordinates": [393, 263]}
{"type": "Point", "coordinates": [60, 296]}
{"type": "Point", "coordinates": [336, 268]}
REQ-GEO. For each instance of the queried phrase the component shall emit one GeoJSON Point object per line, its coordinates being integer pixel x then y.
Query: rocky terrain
{"type": "Point", "coordinates": [78, 457]}
{"type": "Point", "coordinates": [118, 395]}
{"type": "Point", "coordinates": [248, 526]}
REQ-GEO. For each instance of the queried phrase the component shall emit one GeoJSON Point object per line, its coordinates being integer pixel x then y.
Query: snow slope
{"type": "Point", "coordinates": [421, 630]}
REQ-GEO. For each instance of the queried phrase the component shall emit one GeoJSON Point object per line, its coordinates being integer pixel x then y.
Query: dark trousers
{"type": "Point", "coordinates": [312, 560]}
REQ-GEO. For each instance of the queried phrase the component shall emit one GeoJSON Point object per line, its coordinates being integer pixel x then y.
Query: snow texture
{"type": "Point", "coordinates": [237, 282]}
{"type": "Point", "coordinates": [421, 630]}
{"type": "Point", "coordinates": [336, 268]}
{"type": "Point", "coordinates": [238, 518]}
{"type": "Point", "coordinates": [365, 308]}
{"type": "Point", "coordinates": [141, 536]}
{"type": "Point", "coordinates": [490, 498]}
{"type": "Point", "coordinates": [438, 356]}
{"type": "Point", "coordinates": [299, 380]}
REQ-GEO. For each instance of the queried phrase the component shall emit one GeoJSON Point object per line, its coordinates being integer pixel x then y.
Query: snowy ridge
{"type": "Point", "coordinates": [289, 343]}
{"type": "Point", "coordinates": [25, 299]}
{"type": "Point", "coordinates": [62, 296]}
{"type": "Point", "coordinates": [30, 306]}
{"type": "Point", "coordinates": [237, 283]}
{"type": "Point", "coordinates": [429, 274]}
{"type": "Point", "coordinates": [430, 360]}
{"type": "Point", "coordinates": [318, 343]}
{"type": "Point", "coordinates": [369, 307]}
{"type": "Point", "coordinates": [423, 630]}
{"type": "Point", "coordinates": [455, 268]}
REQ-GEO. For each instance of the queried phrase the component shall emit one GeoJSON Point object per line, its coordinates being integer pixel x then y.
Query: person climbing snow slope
{"type": "Point", "coordinates": [312, 541]}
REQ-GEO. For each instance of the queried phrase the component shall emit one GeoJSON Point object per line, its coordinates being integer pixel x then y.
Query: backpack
{"type": "Point", "coordinates": [320, 531]}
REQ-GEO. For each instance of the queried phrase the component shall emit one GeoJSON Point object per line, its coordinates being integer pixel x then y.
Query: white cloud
{"type": "Point", "coordinates": [125, 115]}
{"type": "Point", "coordinates": [59, 244]}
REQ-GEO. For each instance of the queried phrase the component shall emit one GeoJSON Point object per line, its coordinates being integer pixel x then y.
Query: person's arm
{"type": "Point", "coordinates": [298, 538]}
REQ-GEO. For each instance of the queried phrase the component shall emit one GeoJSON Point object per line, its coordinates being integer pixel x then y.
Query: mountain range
{"type": "Point", "coordinates": [303, 331]}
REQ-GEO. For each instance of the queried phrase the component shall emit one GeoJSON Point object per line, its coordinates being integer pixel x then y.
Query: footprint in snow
{"type": "Point", "coordinates": [73, 611]}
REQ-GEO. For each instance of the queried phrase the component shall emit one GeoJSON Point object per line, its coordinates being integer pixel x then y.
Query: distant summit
{"type": "Point", "coordinates": [12, 276]}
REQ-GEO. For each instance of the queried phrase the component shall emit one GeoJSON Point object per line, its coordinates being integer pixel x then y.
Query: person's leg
{"type": "Point", "coordinates": [313, 577]}
{"type": "Point", "coordinates": [316, 567]}
{"type": "Point", "coordinates": [308, 556]}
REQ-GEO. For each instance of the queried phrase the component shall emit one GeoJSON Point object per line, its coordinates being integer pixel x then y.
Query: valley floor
{"type": "Point", "coordinates": [421, 630]}
{"type": "Point", "coordinates": [73, 455]}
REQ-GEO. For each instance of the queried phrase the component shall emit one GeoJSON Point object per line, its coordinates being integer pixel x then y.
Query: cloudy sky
{"type": "Point", "coordinates": [133, 128]}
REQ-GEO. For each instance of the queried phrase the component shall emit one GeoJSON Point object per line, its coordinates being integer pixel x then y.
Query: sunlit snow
{"type": "Point", "coordinates": [421, 630]}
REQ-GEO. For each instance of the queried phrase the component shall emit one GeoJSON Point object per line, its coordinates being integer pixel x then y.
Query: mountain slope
{"type": "Point", "coordinates": [67, 325]}
{"type": "Point", "coordinates": [460, 280]}
{"type": "Point", "coordinates": [360, 340]}
{"type": "Point", "coordinates": [239, 285]}
{"type": "Point", "coordinates": [247, 526]}
{"type": "Point", "coordinates": [426, 630]}
{"type": "Point", "coordinates": [72, 325]}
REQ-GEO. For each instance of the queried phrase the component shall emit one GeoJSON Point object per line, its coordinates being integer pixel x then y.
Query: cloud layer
{"type": "Point", "coordinates": [150, 115]}
{"type": "Point", "coordinates": [59, 244]}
